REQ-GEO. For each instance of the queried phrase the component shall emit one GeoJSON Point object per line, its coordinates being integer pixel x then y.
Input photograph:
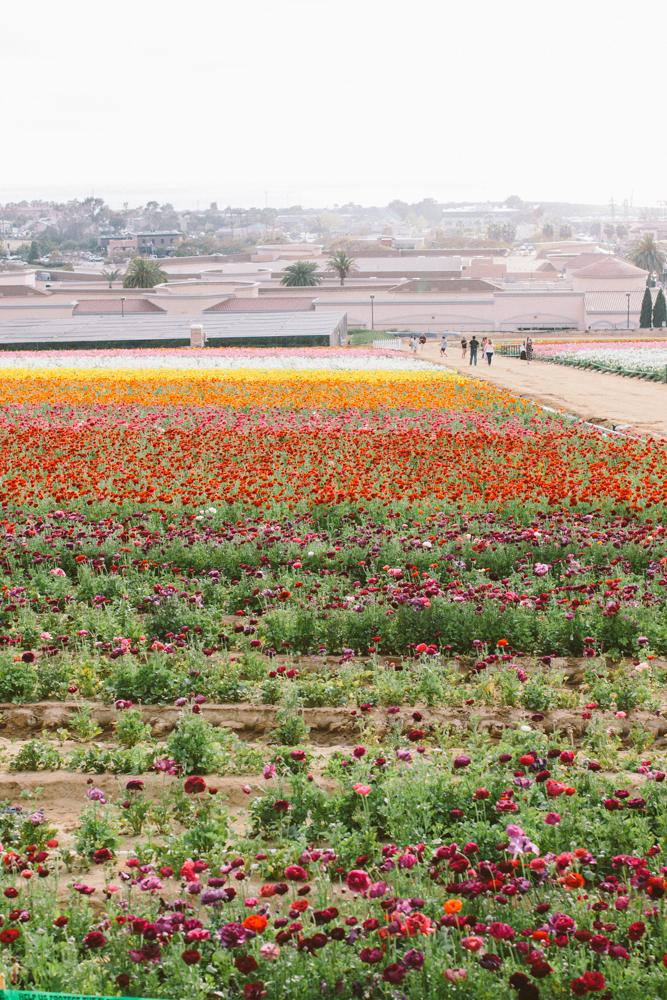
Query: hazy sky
{"type": "Point", "coordinates": [322, 101]}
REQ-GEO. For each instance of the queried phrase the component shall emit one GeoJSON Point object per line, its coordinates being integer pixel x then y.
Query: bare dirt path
{"type": "Point", "coordinates": [605, 399]}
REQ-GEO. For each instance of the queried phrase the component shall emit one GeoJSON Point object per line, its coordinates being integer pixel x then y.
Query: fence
{"type": "Point", "coordinates": [38, 995]}
{"type": "Point", "coordinates": [391, 344]}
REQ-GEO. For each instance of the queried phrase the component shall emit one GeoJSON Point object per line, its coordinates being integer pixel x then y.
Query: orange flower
{"type": "Point", "coordinates": [453, 906]}
{"type": "Point", "coordinates": [255, 922]}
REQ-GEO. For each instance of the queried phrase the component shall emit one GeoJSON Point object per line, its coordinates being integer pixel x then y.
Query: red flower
{"type": "Point", "coordinates": [101, 855]}
{"type": "Point", "coordinates": [9, 934]}
{"type": "Point", "coordinates": [194, 785]}
{"type": "Point", "coordinates": [254, 991]}
{"type": "Point", "coordinates": [394, 973]}
{"type": "Point", "coordinates": [358, 880]}
{"type": "Point", "coordinates": [245, 964]}
{"type": "Point", "coordinates": [296, 873]}
{"type": "Point", "coordinates": [94, 939]}
{"type": "Point", "coordinates": [374, 955]}
{"type": "Point", "coordinates": [191, 956]}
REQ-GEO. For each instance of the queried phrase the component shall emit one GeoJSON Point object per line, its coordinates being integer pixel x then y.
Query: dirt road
{"type": "Point", "coordinates": [608, 400]}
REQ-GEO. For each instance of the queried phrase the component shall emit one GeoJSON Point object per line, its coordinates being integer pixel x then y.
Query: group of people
{"type": "Point", "coordinates": [471, 349]}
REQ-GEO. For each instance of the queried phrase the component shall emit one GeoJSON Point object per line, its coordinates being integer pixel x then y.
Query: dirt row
{"type": "Point", "coordinates": [329, 726]}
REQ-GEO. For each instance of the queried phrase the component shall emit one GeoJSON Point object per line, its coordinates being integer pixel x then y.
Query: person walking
{"type": "Point", "coordinates": [529, 348]}
{"type": "Point", "coordinates": [413, 344]}
{"type": "Point", "coordinates": [489, 349]}
{"type": "Point", "coordinates": [474, 345]}
{"type": "Point", "coordinates": [443, 346]}
{"type": "Point", "coordinates": [464, 348]}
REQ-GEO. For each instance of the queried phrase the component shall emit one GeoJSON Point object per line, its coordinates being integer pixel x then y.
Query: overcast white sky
{"type": "Point", "coordinates": [323, 101]}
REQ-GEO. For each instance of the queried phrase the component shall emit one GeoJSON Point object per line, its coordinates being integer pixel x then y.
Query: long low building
{"type": "Point", "coordinates": [159, 330]}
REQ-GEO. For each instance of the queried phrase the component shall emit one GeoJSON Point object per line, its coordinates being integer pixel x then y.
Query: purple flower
{"type": "Point", "coordinates": [96, 795]}
{"type": "Point", "coordinates": [519, 843]}
{"type": "Point", "coordinates": [232, 935]}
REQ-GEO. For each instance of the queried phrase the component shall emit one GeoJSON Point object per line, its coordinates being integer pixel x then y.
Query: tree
{"type": "Point", "coordinates": [659, 310]}
{"type": "Point", "coordinates": [143, 273]}
{"type": "Point", "coordinates": [33, 252]}
{"type": "Point", "coordinates": [301, 274]}
{"type": "Point", "coordinates": [548, 231]}
{"type": "Point", "coordinates": [111, 275]}
{"type": "Point", "coordinates": [341, 264]}
{"type": "Point", "coordinates": [647, 310]}
{"type": "Point", "coordinates": [647, 254]}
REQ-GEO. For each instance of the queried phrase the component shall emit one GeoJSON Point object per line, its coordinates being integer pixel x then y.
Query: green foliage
{"type": "Point", "coordinates": [194, 745]}
{"type": "Point", "coordinates": [143, 273]}
{"type": "Point", "coordinates": [646, 310]}
{"type": "Point", "coordinates": [301, 274]}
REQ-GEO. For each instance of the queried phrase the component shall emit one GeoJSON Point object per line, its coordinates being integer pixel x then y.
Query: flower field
{"type": "Point", "coordinates": [643, 359]}
{"type": "Point", "coordinates": [325, 673]}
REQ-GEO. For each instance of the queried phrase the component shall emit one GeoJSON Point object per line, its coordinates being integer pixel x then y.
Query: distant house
{"type": "Point", "coordinates": [161, 240]}
{"type": "Point", "coordinates": [118, 246]}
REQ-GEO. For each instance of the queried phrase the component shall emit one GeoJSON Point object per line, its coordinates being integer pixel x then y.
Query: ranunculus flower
{"type": "Point", "coordinates": [455, 976]}
{"type": "Point", "coordinates": [361, 789]}
{"type": "Point", "coordinates": [358, 880]}
{"type": "Point", "coordinates": [194, 785]}
{"type": "Point", "coordinates": [94, 939]}
{"type": "Point", "coordinates": [296, 873]}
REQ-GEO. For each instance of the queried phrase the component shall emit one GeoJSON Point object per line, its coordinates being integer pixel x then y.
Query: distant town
{"type": "Point", "coordinates": [427, 267]}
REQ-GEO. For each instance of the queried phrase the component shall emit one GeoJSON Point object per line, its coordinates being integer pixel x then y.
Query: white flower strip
{"type": "Point", "coordinates": [631, 359]}
{"type": "Point", "coordinates": [129, 360]}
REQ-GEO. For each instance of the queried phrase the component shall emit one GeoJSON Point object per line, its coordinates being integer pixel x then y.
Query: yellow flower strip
{"type": "Point", "coordinates": [242, 388]}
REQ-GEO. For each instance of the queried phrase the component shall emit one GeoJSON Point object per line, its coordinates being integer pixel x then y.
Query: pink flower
{"type": "Point", "coordinates": [472, 942]}
{"type": "Point", "coordinates": [358, 880]}
{"type": "Point", "coordinates": [270, 951]}
{"type": "Point", "coordinates": [361, 789]}
{"type": "Point", "coordinates": [269, 771]}
{"type": "Point", "coordinates": [58, 572]}
{"type": "Point", "coordinates": [455, 975]}
{"type": "Point", "coordinates": [552, 819]}
{"type": "Point", "coordinates": [541, 569]}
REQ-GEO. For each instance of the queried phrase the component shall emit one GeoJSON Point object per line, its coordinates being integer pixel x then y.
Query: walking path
{"type": "Point", "coordinates": [605, 399]}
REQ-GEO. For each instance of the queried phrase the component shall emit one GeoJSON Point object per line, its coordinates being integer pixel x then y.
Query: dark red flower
{"type": "Point", "coordinates": [394, 973]}
{"type": "Point", "coordinates": [94, 939]}
{"type": "Point", "coordinates": [194, 785]}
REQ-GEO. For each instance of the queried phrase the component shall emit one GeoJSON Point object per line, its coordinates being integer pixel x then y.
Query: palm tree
{"type": "Point", "coordinates": [143, 273]}
{"type": "Point", "coordinates": [341, 264]}
{"type": "Point", "coordinates": [301, 274]}
{"type": "Point", "coordinates": [648, 255]}
{"type": "Point", "coordinates": [111, 275]}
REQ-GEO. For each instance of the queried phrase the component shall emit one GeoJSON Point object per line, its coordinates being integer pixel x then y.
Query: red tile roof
{"type": "Point", "coordinates": [610, 267]}
{"type": "Point", "coordinates": [264, 304]}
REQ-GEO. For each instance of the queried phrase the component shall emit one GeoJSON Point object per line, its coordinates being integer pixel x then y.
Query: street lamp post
{"type": "Point", "coordinates": [627, 295]}
{"type": "Point", "coordinates": [372, 314]}
{"type": "Point", "coordinates": [122, 305]}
